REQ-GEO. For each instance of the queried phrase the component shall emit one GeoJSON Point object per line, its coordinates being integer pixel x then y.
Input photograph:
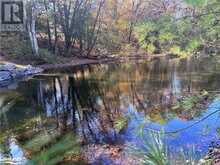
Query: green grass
{"type": "Point", "coordinates": [154, 152]}
{"type": "Point", "coordinates": [121, 123]}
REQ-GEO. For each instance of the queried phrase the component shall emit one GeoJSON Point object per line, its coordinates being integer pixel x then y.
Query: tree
{"type": "Point", "coordinates": [31, 11]}
{"type": "Point", "coordinates": [134, 14]}
{"type": "Point", "coordinates": [93, 35]}
{"type": "Point", "coordinates": [48, 25]}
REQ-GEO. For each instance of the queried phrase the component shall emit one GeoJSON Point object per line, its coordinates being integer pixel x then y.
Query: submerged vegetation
{"type": "Point", "coordinates": [192, 102]}
{"type": "Point", "coordinates": [94, 115]}
{"type": "Point", "coordinates": [41, 144]}
{"type": "Point", "coordinates": [65, 148]}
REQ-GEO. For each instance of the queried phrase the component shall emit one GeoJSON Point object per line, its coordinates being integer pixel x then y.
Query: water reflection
{"type": "Point", "coordinates": [11, 152]}
{"type": "Point", "coordinates": [91, 100]}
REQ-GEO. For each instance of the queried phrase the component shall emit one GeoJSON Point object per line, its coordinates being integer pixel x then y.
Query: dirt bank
{"type": "Point", "coordinates": [74, 61]}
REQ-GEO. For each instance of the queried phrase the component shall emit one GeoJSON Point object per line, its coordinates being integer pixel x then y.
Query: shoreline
{"type": "Point", "coordinates": [12, 71]}
{"type": "Point", "coordinates": [93, 61]}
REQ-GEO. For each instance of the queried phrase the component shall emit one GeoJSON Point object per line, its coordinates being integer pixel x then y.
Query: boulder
{"type": "Point", "coordinates": [30, 70]}
{"type": "Point", "coordinates": [9, 72]}
{"type": "Point", "coordinates": [8, 67]}
{"type": "Point", "coordinates": [5, 75]}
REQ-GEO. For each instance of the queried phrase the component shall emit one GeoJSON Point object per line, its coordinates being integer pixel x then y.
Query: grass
{"type": "Point", "coordinates": [154, 151]}
{"type": "Point", "coordinates": [121, 123]}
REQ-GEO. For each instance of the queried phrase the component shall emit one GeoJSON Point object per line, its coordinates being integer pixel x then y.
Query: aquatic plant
{"type": "Point", "coordinates": [121, 123]}
{"type": "Point", "coordinates": [65, 147]}
{"type": "Point", "coordinates": [41, 140]}
{"type": "Point", "coordinates": [190, 102]}
{"type": "Point", "coordinates": [153, 152]}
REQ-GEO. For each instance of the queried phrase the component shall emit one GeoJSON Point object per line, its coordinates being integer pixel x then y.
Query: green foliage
{"type": "Point", "coordinates": [141, 31]}
{"type": "Point", "coordinates": [46, 56]}
{"type": "Point", "coordinates": [121, 123]}
{"type": "Point", "coordinates": [183, 36]}
{"type": "Point", "coordinates": [155, 152]}
{"type": "Point", "coordinates": [64, 147]}
{"type": "Point", "coordinates": [193, 45]}
{"type": "Point", "coordinates": [156, 36]}
{"type": "Point", "coordinates": [176, 50]}
{"type": "Point", "coordinates": [196, 2]}
{"type": "Point", "coordinates": [41, 140]}
{"type": "Point", "coordinates": [151, 48]}
{"type": "Point", "coordinates": [190, 102]}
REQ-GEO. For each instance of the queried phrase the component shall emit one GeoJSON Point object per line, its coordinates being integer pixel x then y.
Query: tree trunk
{"type": "Point", "coordinates": [48, 26]}
{"type": "Point", "coordinates": [55, 27]}
{"type": "Point", "coordinates": [130, 32]}
{"type": "Point", "coordinates": [31, 28]}
{"type": "Point", "coordinates": [32, 36]}
{"type": "Point", "coordinates": [94, 33]}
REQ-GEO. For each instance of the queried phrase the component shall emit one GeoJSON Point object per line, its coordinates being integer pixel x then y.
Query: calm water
{"type": "Point", "coordinates": [88, 103]}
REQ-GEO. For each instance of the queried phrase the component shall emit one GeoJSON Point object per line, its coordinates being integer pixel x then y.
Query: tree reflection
{"type": "Point", "coordinates": [91, 101]}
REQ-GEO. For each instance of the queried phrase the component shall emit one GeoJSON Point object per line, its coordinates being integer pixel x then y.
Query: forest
{"type": "Point", "coordinates": [110, 82]}
{"type": "Point", "coordinates": [108, 27]}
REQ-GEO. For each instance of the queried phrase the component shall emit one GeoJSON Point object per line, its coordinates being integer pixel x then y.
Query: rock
{"type": "Point", "coordinates": [5, 75]}
{"type": "Point", "coordinates": [9, 72]}
{"type": "Point", "coordinates": [8, 67]}
{"type": "Point", "coordinates": [5, 78]}
{"type": "Point", "coordinates": [29, 70]}
{"type": "Point", "coordinates": [19, 73]}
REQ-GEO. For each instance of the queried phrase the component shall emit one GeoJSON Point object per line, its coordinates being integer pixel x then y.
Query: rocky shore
{"type": "Point", "coordinates": [9, 72]}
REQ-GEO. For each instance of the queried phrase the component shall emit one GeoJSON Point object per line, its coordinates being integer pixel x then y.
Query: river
{"type": "Point", "coordinates": [102, 114]}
